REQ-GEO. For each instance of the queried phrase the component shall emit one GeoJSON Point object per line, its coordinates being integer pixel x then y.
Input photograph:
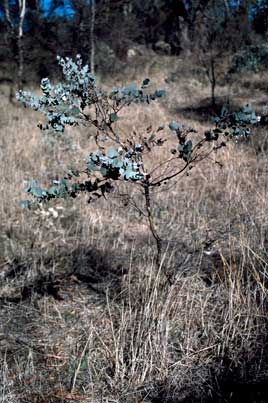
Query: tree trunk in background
{"type": "Point", "coordinates": [11, 30]}
{"type": "Point", "coordinates": [212, 81]}
{"type": "Point", "coordinates": [7, 13]}
{"type": "Point", "coordinates": [16, 44]}
{"type": "Point", "coordinates": [227, 8]}
{"type": "Point", "coordinates": [92, 37]}
{"type": "Point", "coordinates": [22, 11]}
{"type": "Point", "coordinates": [185, 41]}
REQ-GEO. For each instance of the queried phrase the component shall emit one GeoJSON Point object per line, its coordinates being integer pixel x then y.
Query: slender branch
{"type": "Point", "coordinates": [171, 176]}
{"type": "Point", "coordinates": [162, 164]}
{"type": "Point", "coordinates": [188, 163]}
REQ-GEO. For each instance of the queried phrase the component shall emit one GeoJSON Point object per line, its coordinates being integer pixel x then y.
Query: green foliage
{"type": "Point", "coordinates": [78, 100]}
{"type": "Point", "coordinates": [64, 104]}
{"type": "Point", "coordinates": [116, 164]}
{"type": "Point", "coordinates": [234, 124]}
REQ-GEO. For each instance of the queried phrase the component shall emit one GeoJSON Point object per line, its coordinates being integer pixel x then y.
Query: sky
{"type": "Point", "coordinates": [64, 10]}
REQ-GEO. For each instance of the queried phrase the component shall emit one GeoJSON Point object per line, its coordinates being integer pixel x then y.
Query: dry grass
{"type": "Point", "coordinates": [84, 315]}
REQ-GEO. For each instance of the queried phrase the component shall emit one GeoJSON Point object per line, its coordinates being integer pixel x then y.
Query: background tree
{"type": "Point", "coordinates": [218, 30]}
{"type": "Point", "coordinates": [212, 20]}
{"type": "Point", "coordinates": [22, 12]}
{"type": "Point", "coordinates": [260, 20]}
{"type": "Point", "coordinates": [119, 25]}
{"type": "Point", "coordinates": [14, 13]}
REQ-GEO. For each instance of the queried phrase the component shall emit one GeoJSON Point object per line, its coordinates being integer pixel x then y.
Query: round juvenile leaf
{"type": "Point", "coordinates": [188, 146]}
{"type": "Point", "coordinates": [113, 117]}
{"type": "Point", "coordinates": [174, 126]}
{"type": "Point", "coordinates": [104, 171]}
{"type": "Point", "coordinates": [91, 166]}
{"type": "Point", "coordinates": [112, 153]}
{"type": "Point", "coordinates": [53, 191]}
{"type": "Point", "coordinates": [25, 204]}
{"type": "Point", "coordinates": [160, 93]}
{"type": "Point", "coordinates": [247, 109]}
{"type": "Point", "coordinates": [37, 192]}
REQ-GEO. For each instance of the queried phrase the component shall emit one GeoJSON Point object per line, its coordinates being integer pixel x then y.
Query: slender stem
{"type": "Point", "coordinates": [157, 238]}
{"type": "Point", "coordinates": [162, 164]}
{"type": "Point", "coordinates": [157, 183]}
{"type": "Point", "coordinates": [195, 158]}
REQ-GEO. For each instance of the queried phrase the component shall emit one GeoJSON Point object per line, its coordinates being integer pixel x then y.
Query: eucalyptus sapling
{"type": "Point", "coordinates": [121, 159]}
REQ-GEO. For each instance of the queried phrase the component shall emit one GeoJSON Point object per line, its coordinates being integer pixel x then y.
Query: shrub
{"type": "Point", "coordinates": [251, 58]}
{"type": "Point", "coordinates": [121, 158]}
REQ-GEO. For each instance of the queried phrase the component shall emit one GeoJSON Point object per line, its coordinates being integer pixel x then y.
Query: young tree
{"type": "Point", "coordinates": [121, 158]}
{"type": "Point", "coordinates": [218, 28]}
{"type": "Point", "coordinates": [260, 18]}
{"type": "Point", "coordinates": [210, 39]}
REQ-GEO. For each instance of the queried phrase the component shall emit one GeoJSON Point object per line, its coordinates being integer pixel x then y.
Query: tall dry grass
{"type": "Point", "coordinates": [84, 314]}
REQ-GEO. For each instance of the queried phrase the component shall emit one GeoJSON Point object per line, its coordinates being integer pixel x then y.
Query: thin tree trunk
{"type": "Point", "coordinates": [7, 13]}
{"type": "Point", "coordinates": [22, 8]}
{"type": "Point", "coordinates": [209, 65]}
{"type": "Point", "coordinates": [213, 82]}
{"type": "Point", "coordinates": [11, 33]}
{"type": "Point", "coordinates": [227, 8]}
{"type": "Point", "coordinates": [158, 241]}
{"type": "Point", "coordinates": [92, 37]}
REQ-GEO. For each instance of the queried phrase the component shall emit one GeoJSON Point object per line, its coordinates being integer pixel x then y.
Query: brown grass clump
{"type": "Point", "coordinates": [85, 317]}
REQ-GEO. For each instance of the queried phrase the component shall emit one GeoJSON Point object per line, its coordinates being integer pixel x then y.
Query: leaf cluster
{"type": "Point", "coordinates": [78, 100]}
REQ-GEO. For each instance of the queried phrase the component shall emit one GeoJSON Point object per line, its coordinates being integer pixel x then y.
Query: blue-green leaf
{"type": "Point", "coordinates": [174, 126]}
{"type": "Point", "coordinates": [91, 166]}
{"type": "Point", "coordinates": [53, 190]}
{"type": "Point", "coordinates": [160, 93]}
{"type": "Point", "coordinates": [37, 192]}
{"type": "Point", "coordinates": [25, 204]}
{"type": "Point", "coordinates": [113, 117]}
{"type": "Point", "coordinates": [112, 153]}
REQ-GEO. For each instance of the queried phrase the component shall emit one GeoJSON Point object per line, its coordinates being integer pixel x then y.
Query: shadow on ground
{"type": "Point", "coordinates": [203, 111]}
{"type": "Point", "coordinates": [48, 275]}
{"type": "Point", "coordinates": [247, 384]}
